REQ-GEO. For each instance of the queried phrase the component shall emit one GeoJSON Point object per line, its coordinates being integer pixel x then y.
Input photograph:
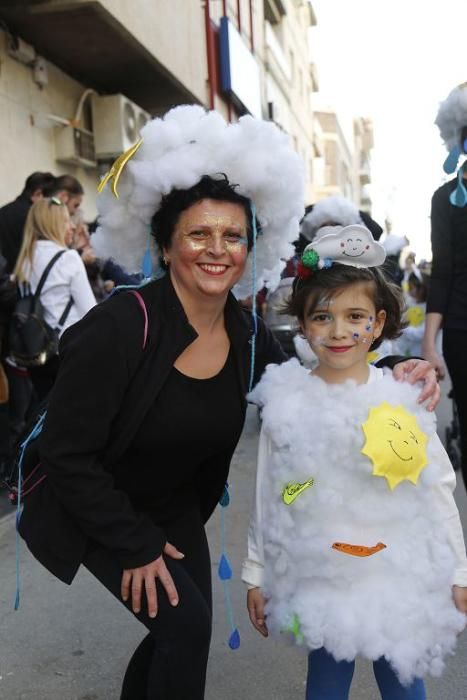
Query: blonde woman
{"type": "Point", "coordinates": [48, 230]}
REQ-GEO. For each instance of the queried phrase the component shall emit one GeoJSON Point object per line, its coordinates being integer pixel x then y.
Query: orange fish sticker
{"type": "Point", "coordinates": [358, 550]}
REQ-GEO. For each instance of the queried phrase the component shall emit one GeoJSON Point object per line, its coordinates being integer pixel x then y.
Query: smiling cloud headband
{"type": "Point", "coordinates": [348, 245]}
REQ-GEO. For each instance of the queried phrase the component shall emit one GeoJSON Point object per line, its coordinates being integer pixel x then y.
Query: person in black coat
{"type": "Point", "coordinates": [13, 215]}
{"type": "Point", "coordinates": [447, 296]}
{"type": "Point", "coordinates": [447, 300]}
{"type": "Point", "coordinates": [141, 427]}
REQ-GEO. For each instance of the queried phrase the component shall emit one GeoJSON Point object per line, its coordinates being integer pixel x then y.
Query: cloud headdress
{"type": "Point", "coordinates": [176, 151]}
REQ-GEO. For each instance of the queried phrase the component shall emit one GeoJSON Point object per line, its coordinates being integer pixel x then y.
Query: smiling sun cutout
{"type": "Point", "coordinates": [395, 444]}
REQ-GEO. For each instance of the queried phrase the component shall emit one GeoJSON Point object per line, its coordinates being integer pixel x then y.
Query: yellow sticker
{"type": "Point", "coordinates": [395, 444]}
{"type": "Point", "coordinates": [117, 169]}
{"type": "Point", "coordinates": [372, 356]}
{"type": "Point", "coordinates": [293, 490]}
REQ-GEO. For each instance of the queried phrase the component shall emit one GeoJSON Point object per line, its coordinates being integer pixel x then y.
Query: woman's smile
{"type": "Point", "coordinates": [212, 269]}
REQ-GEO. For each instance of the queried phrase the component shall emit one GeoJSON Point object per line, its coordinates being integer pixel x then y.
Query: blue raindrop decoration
{"type": "Point", "coordinates": [225, 574]}
{"type": "Point", "coordinates": [224, 570]}
{"type": "Point", "coordinates": [458, 197]}
{"type": "Point", "coordinates": [450, 164]}
{"type": "Point", "coordinates": [225, 498]}
{"type": "Point", "coordinates": [234, 639]}
{"type": "Point", "coordinates": [146, 265]}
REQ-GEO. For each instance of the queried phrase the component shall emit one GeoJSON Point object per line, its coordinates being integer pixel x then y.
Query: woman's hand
{"type": "Point", "coordinates": [255, 604]}
{"type": "Point", "coordinates": [135, 578]}
{"type": "Point", "coordinates": [436, 361]}
{"type": "Point", "coordinates": [459, 594]}
{"type": "Point", "coordinates": [419, 370]}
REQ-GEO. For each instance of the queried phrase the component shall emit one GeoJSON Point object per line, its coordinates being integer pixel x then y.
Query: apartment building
{"type": "Point", "coordinates": [78, 78]}
{"type": "Point", "coordinates": [344, 167]}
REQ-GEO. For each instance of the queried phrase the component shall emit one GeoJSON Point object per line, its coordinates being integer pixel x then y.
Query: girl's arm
{"type": "Point", "coordinates": [253, 566]}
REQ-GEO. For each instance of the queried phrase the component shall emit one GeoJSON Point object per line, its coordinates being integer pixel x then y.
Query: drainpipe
{"type": "Point", "coordinates": [252, 37]}
{"type": "Point", "coordinates": [210, 53]}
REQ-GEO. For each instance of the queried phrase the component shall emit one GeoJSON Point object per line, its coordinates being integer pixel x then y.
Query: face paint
{"type": "Point", "coordinates": [356, 336]}
{"type": "Point", "coordinates": [203, 233]}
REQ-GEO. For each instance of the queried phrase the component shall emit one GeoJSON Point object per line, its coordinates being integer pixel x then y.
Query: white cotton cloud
{"type": "Point", "coordinates": [452, 116]}
{"type": "Point", "coordinates": [330, 210]}
{"type": "Point", "coordinates": [176, 152]}
{"type": "Point", "coordinates": [396, 603]}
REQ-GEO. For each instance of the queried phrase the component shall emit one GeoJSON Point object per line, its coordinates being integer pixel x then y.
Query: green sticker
{"type": "Point", "coordinates": [296, 629]}
{"type": "Point", "coordinates": [293, 490]}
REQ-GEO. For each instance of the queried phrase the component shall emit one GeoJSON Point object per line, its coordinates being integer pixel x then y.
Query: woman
{"type": "Point", "coordinates": [48, 230]}
{"type": "Point", "coordinates": [157, 426]}
{"type": "Point", "coordinates": [447, 297]}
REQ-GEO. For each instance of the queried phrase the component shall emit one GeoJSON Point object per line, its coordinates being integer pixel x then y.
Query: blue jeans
{"type": "Point", "coordinates": [329, 679]}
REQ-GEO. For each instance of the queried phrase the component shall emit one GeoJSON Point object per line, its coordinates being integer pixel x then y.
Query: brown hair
{"type": "Point", "coordinates": [326, 283]}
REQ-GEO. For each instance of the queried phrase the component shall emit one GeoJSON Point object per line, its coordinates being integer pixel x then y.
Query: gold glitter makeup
{"type": "Point", "coordinates": [204, 231]}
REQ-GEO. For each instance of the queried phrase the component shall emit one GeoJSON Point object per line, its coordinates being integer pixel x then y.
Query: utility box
{"type": "Point", "coordinates": [117, 122]}
{"type": "Point", "coordinates": [75, 146]}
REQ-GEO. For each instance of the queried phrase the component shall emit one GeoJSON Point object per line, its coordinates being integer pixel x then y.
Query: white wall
{"type": "Point", "coordinates": [25, 148]}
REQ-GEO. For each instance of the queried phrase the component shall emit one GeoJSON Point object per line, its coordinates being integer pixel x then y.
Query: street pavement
{"type": "Point", "coordinates": [72, 643]}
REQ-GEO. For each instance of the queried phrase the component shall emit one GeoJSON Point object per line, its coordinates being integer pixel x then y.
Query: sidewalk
{"type": "Point", "coordinates": [72, 643]}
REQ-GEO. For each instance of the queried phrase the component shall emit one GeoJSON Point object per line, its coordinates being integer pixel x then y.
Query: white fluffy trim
{"type": "Point", "coordinates": [396, 603]}
{"type": "Point", "coordinates": [176, 152]}
{"type": "Point", "coordinates": [452, 116]}
{"type": "Point", "coordinates": [335, 210]}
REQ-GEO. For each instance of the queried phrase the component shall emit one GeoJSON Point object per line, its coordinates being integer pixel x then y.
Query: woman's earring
{"type": "Point", "coordinates": [165, 261]}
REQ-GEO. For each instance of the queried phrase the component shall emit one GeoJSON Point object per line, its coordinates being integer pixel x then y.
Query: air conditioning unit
{"type": "Point", "coordinates": [75, 146]}
{"type": "Point", "coordinates": [117, 123]}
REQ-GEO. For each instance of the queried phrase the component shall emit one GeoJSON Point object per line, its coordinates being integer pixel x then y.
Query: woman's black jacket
{"type": "Point", "coordinates": [106, 385]}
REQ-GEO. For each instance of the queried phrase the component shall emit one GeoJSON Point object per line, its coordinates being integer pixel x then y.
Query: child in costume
{"type": "Point", "coordinates": [410, 342]}
{"type": "Point", "coordinates": [355, 545]}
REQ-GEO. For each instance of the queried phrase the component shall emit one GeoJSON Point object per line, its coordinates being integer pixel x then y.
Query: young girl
{"type": "Point", "coordinates": [355, 546]}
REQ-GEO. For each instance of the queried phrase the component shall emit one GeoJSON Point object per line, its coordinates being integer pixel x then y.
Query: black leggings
{"type": "Point", "coordinates": [170, 663]}
{"type": "Point", "coordinates": [455, 353]}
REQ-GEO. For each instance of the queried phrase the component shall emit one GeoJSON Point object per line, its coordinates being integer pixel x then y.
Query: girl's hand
{"type": "Point", "coordinates": [255, 604]}
{"type": "Point", "coordinates": [147, 574]}
{"type": "Point", "coordinates": [419, 370]}
{"type": "Point", "coordinates": [459, 594]}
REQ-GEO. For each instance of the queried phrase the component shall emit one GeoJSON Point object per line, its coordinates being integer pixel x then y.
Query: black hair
{"type": "Point", "coordinates": [325, 283]}
{"type": "Point", "coordinates": [68, 183]}
{"type": "Point", "coordinates": [173, 204]}
{"type": "Point", "coordinates": [44, 182]}
{"type": "Point", "coordinates": [421, 285]}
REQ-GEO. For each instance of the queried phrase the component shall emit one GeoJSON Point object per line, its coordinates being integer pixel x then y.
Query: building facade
{"type": "Point", "coordinates": [78, 78]}
{"type": "Point", "coordinates": [344, 167]}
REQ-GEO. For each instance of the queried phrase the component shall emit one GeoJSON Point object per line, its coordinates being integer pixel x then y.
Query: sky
{"type": "Point", "coordinates": [394, 62]}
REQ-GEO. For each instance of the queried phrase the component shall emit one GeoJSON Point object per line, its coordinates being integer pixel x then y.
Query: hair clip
{"type": "Point", "coordinates": [117, 169]}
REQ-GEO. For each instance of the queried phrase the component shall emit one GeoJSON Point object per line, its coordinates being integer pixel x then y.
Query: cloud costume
{"type": "Point", "coordinates": [384, 589]}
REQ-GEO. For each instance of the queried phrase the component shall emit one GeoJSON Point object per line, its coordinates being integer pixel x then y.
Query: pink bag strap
{"type": "Point", "coordinates": [145, 313]}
